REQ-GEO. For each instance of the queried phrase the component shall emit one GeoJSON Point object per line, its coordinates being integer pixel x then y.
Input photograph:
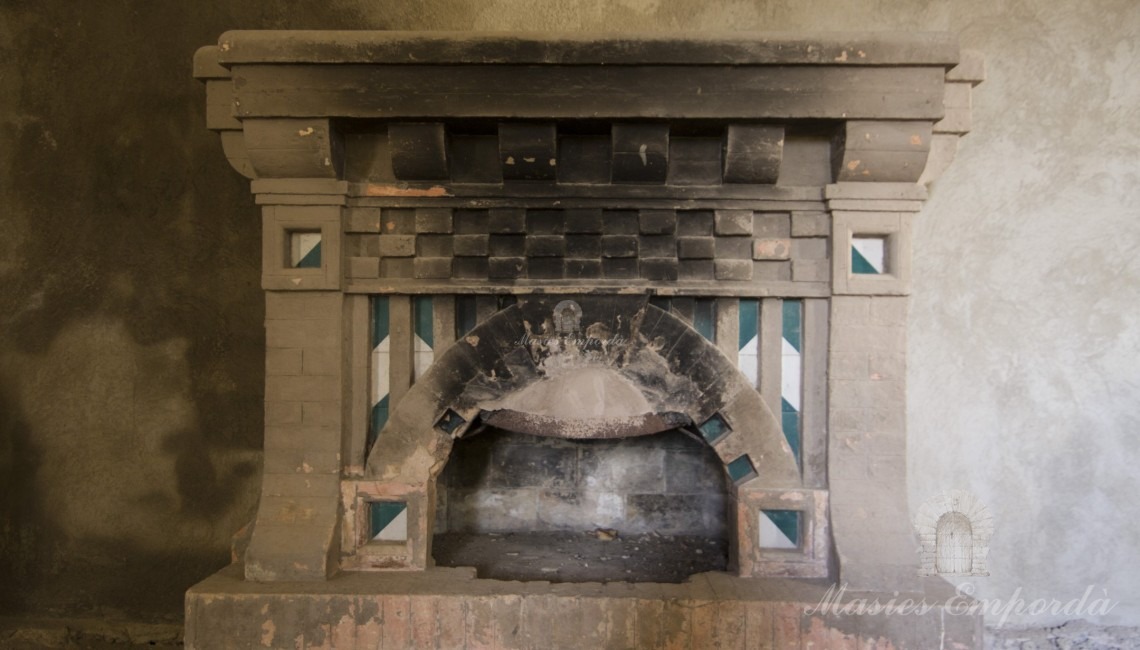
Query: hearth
{"type": "Point", "coordinates": [599, 339]}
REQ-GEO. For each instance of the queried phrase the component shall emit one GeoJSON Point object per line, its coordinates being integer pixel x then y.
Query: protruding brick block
{"type": "Point", "coordinates": [659, 269]}
{"type": "Point", "coordinates": [737, 270]}
{"type": "Point", "coordinates": [733, 222]}
{"type": "Point", "coordinates": [583, 268]}
{"type": "Point", "coordinates": [471, 245]}
{"type": "Point", "coordinates": [435, 268]}
{"type": "Point", "coordinates": [545, 246]}
{"type": "Point", "coordinates": [619, 246]}
{"type": "Point", "coordinates": [419, 151]}
{"type": "Point", "coordinates": [433, 220]}
{"type": "Point", "coordinates": [771, 249]}
{"type": "Point", "coordinates": [622, 268]}
{"type": "Point", "coordinates": [506, 268]}
{"type": "Point", "coordinates": [528, 151]}
{"type": "Point", "coordinates": [397, 245]}
{"type": "Point", "coordinates": [506, 220]}
{"type": "Point", "coordinates": [657, 222]}
{"type": "Point", "coordinates": [702, 248]}
{"type": "Point", "coordinates": [810, 224]}
{"type": "Point", "coordinates": [640, 153]}
{"type": "Point", "coordinates": [583, 221]}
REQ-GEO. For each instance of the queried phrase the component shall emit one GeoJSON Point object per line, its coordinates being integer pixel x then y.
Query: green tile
{"type": "Point", "coordinates": [860, 265]}
{"type": "Point", "coordinates": [421, 307]}
{"type": "Point", "coordinates": [714, 428]}
{"type": "Point", "coordinates": [378, 420]}
{"type": "Point", "coordinates": [312, 260]}
{"type": "Point", "coordinates": [465, 315]}
{"type": "Point", "coordinates": [788, 521]}
{"type": "Point", "coordinates": [380, 322]}
{"type": "Point", "coordinates": [749, 321]}
{"type": "Point", "coordinates": [381, 513]}
{"type": "Point", "coordinates": [793, 323]}
{"type": "Point", "coordinates": [704, 317]}
{"type": "Point", "coordinates": [741, 469]}
{"type": "Point", "coordinates": [790, 422]}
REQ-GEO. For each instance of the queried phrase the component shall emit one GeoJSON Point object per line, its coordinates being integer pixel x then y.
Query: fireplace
{"type": "Point", "coordinates": [608, 332]}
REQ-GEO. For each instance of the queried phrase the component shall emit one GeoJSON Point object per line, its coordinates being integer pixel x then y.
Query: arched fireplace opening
{"type": "Point", "coordinates": [518, 506]}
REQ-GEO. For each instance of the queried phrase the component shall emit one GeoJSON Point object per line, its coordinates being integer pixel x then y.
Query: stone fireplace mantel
{"type": "Point", "coordinates": [712, 231]}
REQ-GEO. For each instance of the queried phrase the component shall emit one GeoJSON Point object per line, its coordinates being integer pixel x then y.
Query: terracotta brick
{"type": "Point", "coordinates": [771, 249]}
{"type": "Point", "coordinates": [397, 628]}
{"type": "Point", "coordinates": [423, 621]}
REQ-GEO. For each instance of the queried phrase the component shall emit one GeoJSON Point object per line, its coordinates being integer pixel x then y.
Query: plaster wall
{"type": "Point", "coordinates": [131, 356]}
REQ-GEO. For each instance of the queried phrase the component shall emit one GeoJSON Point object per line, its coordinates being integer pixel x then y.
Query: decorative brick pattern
{"type": "Point", "coordinates": [655, 245]}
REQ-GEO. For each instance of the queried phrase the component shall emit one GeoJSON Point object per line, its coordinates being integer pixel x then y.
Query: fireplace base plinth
{"type": "Point", "coordinates": [450, 608]}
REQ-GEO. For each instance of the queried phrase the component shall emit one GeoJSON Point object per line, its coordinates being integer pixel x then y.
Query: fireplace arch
{"type": "Point", "coordinates": [517, 370]}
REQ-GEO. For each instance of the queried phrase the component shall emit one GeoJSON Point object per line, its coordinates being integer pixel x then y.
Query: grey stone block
{"type": "Point", "coordinates": [584, 221]}
{"type": "Point", "coordinates": [507, 245]}
{"type": "Point", "coordinates": [545, 268]}
{"type": "Point", "coordinates": [734, 248]}
{"type": "Point", "coordinates": [471, 222]}
{"type": "Point", "coordinates": [398, 221]}
{"type": "Point", "coordinates": [397, 245]}
{"type": "Point", "coordinates": [545, 246]}
{"type": "Point", "coordinates": [506, 220]}
{"type": "Point", "coordinates": [694, 223]}
{"type": "Point", "coordinates": [619, 246]}
{"type": "Point", "coordinates": [658, 269]}
{"type": "Point", "coordinates": [545, 222]}
{"type": "Point", "coordinates": [471, 245]}
{"type": "Point", "coordinates": [772, 224]}
{"type": "Point", "coordinates": [657, 222]}
{"type": "Point", "coordinates": [811, 270]}
{"type": "Point", "coordinates": [433, 220]}
{"type": "Point", "coordinates": [620, 268]}
{"type": "Point", "coordinates": [506, 268]}
{"type": "Point", "coordinates": [733, 269]}
{"type": "Point", "coordinates": [699, 248]}
{"type": "Point", "coordinates": [363, 220]}
{"type": "Point", "coordinates": [583, 268]}
{"type": "Point", "coordinates": [434, 246]}
{"type": "Point", "coordinates": [658, 246]}
{"type": "Point", "coordinates": [809, 248]}
{"type": "Point", "coordinates": [584, 246]}
{"type": "Point", "coordinates": [733, 222]}
{"type": "Point", "coordinates": [695, 270]}
{"type": "Point", "coordinates": [362, 267]}
{"type": "Point", "coordinates": [396, 267]}
{"type": "Point", "coordinates": [435, 268]}
{"type": "Point", "coordinates": [811, 224]}
{"type": "Point", "coordinates": [771, 249]}
{"type": "Point", "coordinates": [620, 222]}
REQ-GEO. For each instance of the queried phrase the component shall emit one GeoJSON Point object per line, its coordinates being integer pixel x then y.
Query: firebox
{"type": "Point", "coordinates": [582, 341]}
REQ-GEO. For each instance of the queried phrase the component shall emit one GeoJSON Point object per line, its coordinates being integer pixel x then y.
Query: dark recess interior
{"type": "Point", "coordinates": [641, 509]}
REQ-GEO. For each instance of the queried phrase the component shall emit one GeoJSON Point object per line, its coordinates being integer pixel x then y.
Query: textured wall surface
{"type": "Point", "coordinates": [131, 355]}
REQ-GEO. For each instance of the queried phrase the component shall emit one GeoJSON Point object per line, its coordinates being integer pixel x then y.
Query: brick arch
{"type": "Point", "coordinates": [684, 378]}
